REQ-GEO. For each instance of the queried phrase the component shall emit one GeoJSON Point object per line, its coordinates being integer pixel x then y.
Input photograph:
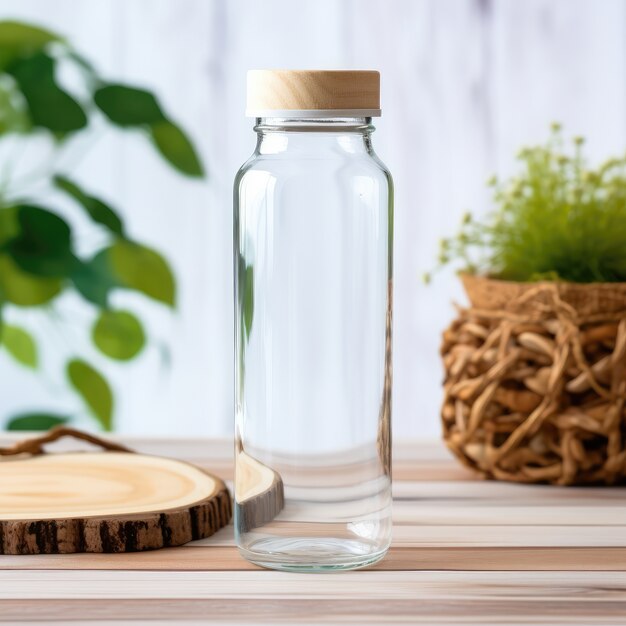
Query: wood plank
{"type": "Point", "coordinates": [370, 584]}
{"type": "Point", "coordinates": [483, 536]}
{"type": "Point", "coordinates": [597, 612]}
{"type": "Point", "coordinates": [222, 558]}
{"type": "Point", "coordinates": [371, 597]}
{"type": "Point", "coordinates": [439, 471]}
{"type": "Point", "coordinates": [509, 536]}
{"type": "Point", "coordinates": [408, 450]}
{"type": "Point", "coordinates": [507, 493]}
{"type": "Point", "coordinates": [455, 514]}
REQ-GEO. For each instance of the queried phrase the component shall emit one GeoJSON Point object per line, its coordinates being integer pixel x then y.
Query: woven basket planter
{"type": "Point", "coordinates": [535, 386]}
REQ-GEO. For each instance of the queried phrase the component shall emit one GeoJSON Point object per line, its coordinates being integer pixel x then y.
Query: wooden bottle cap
{"type": "Point", "coordinates": [313, 93]}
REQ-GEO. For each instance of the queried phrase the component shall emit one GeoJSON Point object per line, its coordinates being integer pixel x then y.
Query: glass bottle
{"type": "Point", "coordinates": [313, 230]}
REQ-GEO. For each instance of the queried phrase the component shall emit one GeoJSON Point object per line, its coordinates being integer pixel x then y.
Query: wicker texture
{"type": "Point", "coordinates": [535, 386]}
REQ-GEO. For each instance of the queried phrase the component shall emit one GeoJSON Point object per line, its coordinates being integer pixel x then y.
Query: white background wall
{"type": "Point", "coordinates": [464, 84]}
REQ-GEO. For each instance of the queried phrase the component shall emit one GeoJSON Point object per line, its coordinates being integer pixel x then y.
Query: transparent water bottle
{"type": "Point", "coordinates": [313, 284]}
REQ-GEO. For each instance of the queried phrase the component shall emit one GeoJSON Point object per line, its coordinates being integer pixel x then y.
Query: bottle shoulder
{"type": "Point", "coordinates": [283, 167]}
{"type": "Point", "coordinates": [245, 167]}
{"type": "Point", "coordinates": [382, 167]}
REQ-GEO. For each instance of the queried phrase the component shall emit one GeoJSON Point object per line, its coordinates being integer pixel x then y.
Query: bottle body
{"type": "Point", "coordinates": [313, 284]}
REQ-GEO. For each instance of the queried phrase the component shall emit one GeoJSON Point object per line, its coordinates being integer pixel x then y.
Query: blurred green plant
{"type": "Point", "coordinates": [38, 256]}
{"type": "Point", "coordinates": [557, 220]}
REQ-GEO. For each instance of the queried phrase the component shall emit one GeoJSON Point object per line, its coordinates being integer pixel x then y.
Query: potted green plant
{"type": "Point", "coordinates": [39, 259]}
{"type": "Point", "coordinates": [535, 367]}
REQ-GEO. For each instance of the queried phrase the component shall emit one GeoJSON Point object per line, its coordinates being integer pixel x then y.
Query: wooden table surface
{"type": "Point", "coordinates": [464, 551]}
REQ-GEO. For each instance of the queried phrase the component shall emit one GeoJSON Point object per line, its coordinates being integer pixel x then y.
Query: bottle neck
{"type": "Point", "coordinates": [281, 134]}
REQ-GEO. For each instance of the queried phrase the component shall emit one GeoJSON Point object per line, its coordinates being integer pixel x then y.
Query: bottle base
{"type": "Point", "coordinates": [311, 554]}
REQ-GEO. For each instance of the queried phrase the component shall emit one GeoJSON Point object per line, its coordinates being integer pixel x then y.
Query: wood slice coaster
{"type": "Point", "coordinates": [114, 501]}
{"type": "Point", "coordinates": [259, 492]}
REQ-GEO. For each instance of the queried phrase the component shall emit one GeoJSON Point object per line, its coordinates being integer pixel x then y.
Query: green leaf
{"type": "Point", "coordinates": [248, 302]}
{"type": "Point", "coordinates": [118, 334]}
{"type": "Point", "coordinates": [9, 224]}
{"type": "Point", "coordinates": [99, 212]}
{"type": "Point", "coordinates": [142, 269]}
{"type": "Point", "coordinates": [94, 279]}
{"type": "Point", "coordinates": [128, 106]}
{"type": "Point", "coordinates": [36, 421]}
{"type": "Point", "coordinates": [13, 114]}
{"type": "Point", "coordinates": [21, 40]}
{"type": "Point", "coordinates": [176, 148]}
{"type": "Point", "coordinates": [43, 246]}
{"type": "Point", "coordinates": [125, 265]}
{"type": "Point", "coordinates": [20, 344]}
{"type": "Point", "coordinates": [49, 106]}
{"type": "Point", "coordinates": [94, 390]}
{"type": "Point", "coordinates": [245, 290]}
{"type": "Point", "coordinates": [23, 289]}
